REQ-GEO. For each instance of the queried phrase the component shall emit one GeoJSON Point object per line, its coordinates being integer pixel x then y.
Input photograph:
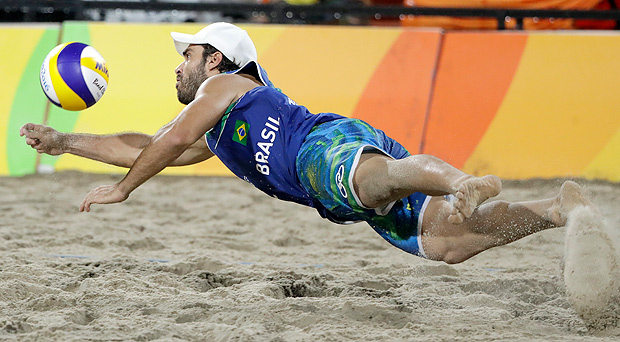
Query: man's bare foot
{"type": "Point", "coordinates": [471, 193]}
{"type": "Point", "coordinates": [569, 198]}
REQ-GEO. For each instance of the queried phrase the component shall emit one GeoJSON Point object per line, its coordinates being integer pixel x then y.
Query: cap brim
{"type": "Point", "coordinates": [182, 41]}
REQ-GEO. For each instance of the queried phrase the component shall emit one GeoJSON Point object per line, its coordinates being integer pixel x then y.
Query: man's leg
{"type": "Point", "coordinates": [494, 224]}
{"type": "Point", "coordinates": [380, 180]}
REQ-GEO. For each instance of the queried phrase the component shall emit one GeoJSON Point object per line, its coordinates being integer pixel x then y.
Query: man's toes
{"type": "Point", "coordinates": [456, 218]}
{"type": "Point", "coordinates": [464, 208]}
{"type": "Point", "coordinates": [460, 205]}
{"type": "Point", "coordinates": [459, 195]}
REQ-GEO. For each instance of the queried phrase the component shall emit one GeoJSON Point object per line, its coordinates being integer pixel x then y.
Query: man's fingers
{"type": "Point", "coordinates": [90, 199]}
{"type": "Point", "coordinates": [85, 205]}
{"type": "Point", "coordinates": [105, 194]}
{"type": "Point", "coordinates": [25, 128]}
{"type": "Point", "coordinates": [30, 133]}
{"type": "Point", "coordinates": [28, 127]}
{"type": "Point", "coordinates": [33, 142]}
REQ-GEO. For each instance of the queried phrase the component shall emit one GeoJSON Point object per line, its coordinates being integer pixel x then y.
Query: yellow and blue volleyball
{"type": "Point", "coordinates": [74, 76]}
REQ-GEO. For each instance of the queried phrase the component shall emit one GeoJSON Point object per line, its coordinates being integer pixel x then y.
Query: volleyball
{"type": "Point", "coordinates": [74, 76]}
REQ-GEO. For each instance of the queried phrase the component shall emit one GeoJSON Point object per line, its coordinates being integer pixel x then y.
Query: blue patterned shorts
{"type": "Point", "coordinates": [325, 165]}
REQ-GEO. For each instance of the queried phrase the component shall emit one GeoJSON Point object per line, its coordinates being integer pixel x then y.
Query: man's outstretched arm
{"type": "Point", "coordinates": [170, 142]}
{"type": "Point", "coordinates": [120, 149]}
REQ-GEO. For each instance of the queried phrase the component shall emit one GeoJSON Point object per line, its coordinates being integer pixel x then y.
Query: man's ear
{"type": "Point", "coordinates": [213, 60]}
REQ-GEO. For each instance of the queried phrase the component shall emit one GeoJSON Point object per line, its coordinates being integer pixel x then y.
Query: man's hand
{"type": "Point", "coordinates": [44, 139]}
{"type": "Point", "coordinates": [104, 194]}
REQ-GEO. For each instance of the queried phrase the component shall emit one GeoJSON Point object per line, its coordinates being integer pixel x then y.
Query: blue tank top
{"type": "Point", "coordinates": [259, 136]}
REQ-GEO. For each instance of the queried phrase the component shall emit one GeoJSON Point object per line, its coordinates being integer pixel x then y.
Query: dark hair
{"type": "Point", "coordinates": [225, 65]}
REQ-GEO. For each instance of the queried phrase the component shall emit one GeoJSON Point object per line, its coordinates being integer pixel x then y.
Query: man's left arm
{"type": "Point", "coordinates": [212, 99]}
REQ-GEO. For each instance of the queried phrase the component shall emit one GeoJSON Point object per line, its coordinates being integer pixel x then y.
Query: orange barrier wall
{"type": "Point", "coordinates": [397, 96]}
{"type": "Point", "coordinates": [528, 105]}
{"type": "Point", "coordinates": [474, 74]}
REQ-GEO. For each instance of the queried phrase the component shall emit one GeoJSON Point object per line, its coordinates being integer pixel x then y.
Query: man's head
{"type": "Point", "coordinates": [200, 62]}
{"type": "Point", "coordinates": [217, 48]}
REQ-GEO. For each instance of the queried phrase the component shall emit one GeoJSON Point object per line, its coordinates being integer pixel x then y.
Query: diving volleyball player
{"type": "Point", "coordinates": [344, 168]}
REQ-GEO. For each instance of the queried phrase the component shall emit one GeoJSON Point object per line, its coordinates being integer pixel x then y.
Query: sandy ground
{"type": "Point", "coordinates": [213, 259]}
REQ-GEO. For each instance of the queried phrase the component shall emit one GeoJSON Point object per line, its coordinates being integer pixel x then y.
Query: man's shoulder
{"type": "Point", "coordinates": [237, 77]}
{"type": "Point", "coordinates": [225, 79]}
{"type": "Point", "coordinates": [226, 83]}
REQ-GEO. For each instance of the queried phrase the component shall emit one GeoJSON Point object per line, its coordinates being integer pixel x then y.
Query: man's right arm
{"type": "Point", "coordinates": [120, 149]}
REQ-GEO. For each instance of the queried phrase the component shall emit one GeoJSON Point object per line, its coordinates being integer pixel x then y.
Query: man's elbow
{"type": "Point", "coordinates": [174, 136]}
{"type": "Point", "coordinates": [179, 140]}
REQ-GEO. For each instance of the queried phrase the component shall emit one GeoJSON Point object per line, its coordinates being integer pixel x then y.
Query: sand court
{"type": "Point", "coordinates": [213, 259]}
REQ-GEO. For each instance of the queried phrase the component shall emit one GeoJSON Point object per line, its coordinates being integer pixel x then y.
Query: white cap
{"type": "Point", "coordinates": [232, 41]}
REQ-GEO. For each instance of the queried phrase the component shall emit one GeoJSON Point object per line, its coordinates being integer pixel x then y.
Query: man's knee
{"type": "Point", "coordinates": [454, 259]}
{"type": "Point", "coordinates": [376, 194]}
{"type": "Point", "coordinates": [447, 252]}
{"type": "Point", "coordinates": [372, 182]}
{"type": "Point", "coordinates": [454, 244]}
{"type": "Point", "coordinates": [457, 249]}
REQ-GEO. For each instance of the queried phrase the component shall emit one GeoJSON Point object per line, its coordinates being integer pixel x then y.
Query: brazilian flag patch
{"type": "Point", "coordinates": [241, 132]}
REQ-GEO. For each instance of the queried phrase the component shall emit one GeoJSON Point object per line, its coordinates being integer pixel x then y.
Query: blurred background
{"type": "Point", "coordinates": [517, 88]}
{"type": "Point", "coordinates": [451, 14]}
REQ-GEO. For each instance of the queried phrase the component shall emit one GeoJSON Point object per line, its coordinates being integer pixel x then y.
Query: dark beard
{"type": "Point", "coordinates": [186, 91]}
